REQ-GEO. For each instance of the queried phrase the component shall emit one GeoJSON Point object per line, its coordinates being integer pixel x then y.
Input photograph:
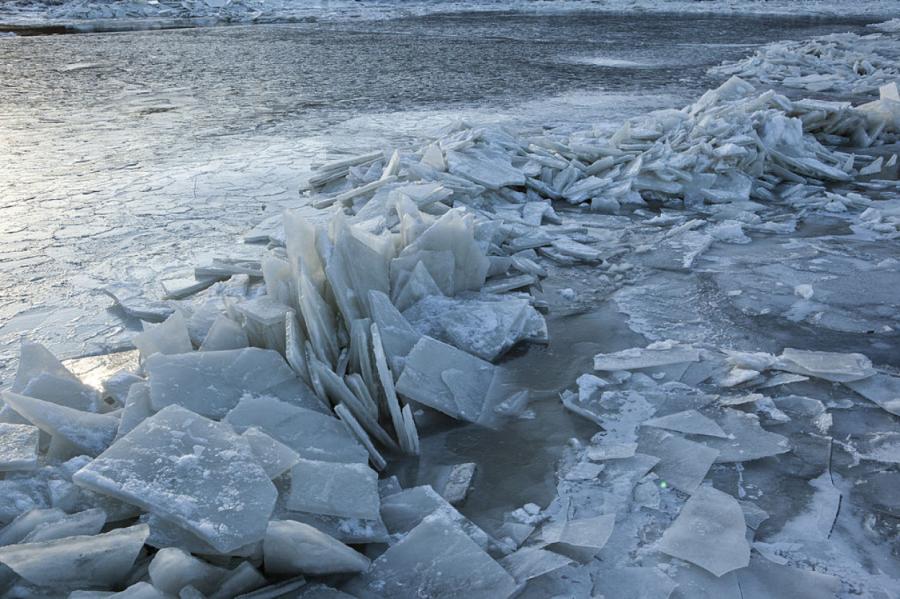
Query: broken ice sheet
{"type": "Point", "coordinates": [657, 354]}
{"type": "Point", "coordinates": [634, 583]}
{"type": "Point", "coordinates": [746, 439]}
{"type": "Point", "coordinates": [172, 569]}
{"type": "Point", "coordinates": [485, 326]}
{"type": "Point", "coordinates": [81, 562]}
{"type": "Point", "coordinates": [87, 432]}
{"type": "Point", "coordinates": [447, 379]}
{"type": "Point", "coordinates": [169, 337]}
{"type": "Point", "coordinates": [436, 559]}
{"type": "Point", "coordinates": [709, 532]}
{"type": "Point", "coordinates": [580, 539]}
{"type": "Point", "coordinates": [404, 510]}
{"type": "Point", "coordinates": [831, 366]}
{"type": "Point", "coordinates": [275, 457]}
{"type": "Point", "coordinates": [531, 562]}
{"type": "Point", "coordinates": [211, 383]}
{"type": "Point", "coordinates": [881, 389]}
{"type": "Point", "coordinates": [18, 447]}
{"type": "Point", "coordinates": [85, 523]}
{"type": "Point", "coordinates": [292, 548]}
{"type": "Point", "coordinates": [689, 421]}
{"type": "Point", "coordinates": [193, 471]}
{"type": "Point", "coordinates": [682, 463]}
{"type": "Point", "coordinates": [334, 489]}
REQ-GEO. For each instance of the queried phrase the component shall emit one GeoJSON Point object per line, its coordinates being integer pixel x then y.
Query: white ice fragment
{"type": "Point", "coordinates": [169, 337]}
{"type": "Point", "coordinates": [446, 379]}
{"type": "Point", "coordinates": [64, 391]}
{"type": "Point", "coordinates": [490, 168]}
{"type": "Point", "coordinates": [334, 489]}
{"type": "Point", "coordinates": [881, 389]}
{"type": "Point", "coordinates": [709, 532]}
{"type": "Point", "coordinates": [193, 471]}
{"type": "Point", "coordinates": [804, 291]}
{"type": "Point", "coordinates": [652, 356]}
{"type": "Point", "coordinates": [291, 548]}
{"type": "Point", "coordinates": [211, 383]}
{"type": "Point", "coordinates": [99, 561]}
{"type": "Point", "coordinates": [688, 421]}
{"type": "Point", "coordinates": [173, 569]}
{"type": "Point", "coordinates": [85, 523]}
{"type": "Point", "coordinates": [87, 432]}
{"type": "Point", "coordinates": [459, 479]}
{"type": "Point", "coordinates": [26, 522]}
{"type": "Point", "coordinates": [831, 366]}
{"type": "Point", "coordinates": [34, 360]}
{"type": "Point", "coordinates": [224, 334]}
{"type": "Point", "coordinates": [242, 579]}
{"type": "Point", "coordinates": [436, 559]}
{"type": "Point", "coordinates": [746, 439]}
{"type": "Point", "coordinates": [18, 447]}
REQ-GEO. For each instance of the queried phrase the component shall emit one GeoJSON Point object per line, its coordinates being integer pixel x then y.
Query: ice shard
{"type": "Point", "coordinates": [291, 548]}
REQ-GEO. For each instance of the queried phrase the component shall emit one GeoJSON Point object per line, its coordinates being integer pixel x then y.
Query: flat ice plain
{"type": "Point", "coordinates": [628, 329]}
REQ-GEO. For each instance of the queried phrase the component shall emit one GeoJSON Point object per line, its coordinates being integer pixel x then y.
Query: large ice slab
{"type": "Point", "coordinates": [710, 532]}
{"type": "Point", "coordinates": [334, 489]}
{"type": "Point", "coordinates": [446, 379]}
{"type": "Point", "coordinates": [404, 510]}
{"type": "Point", "coordinates": [662, 354]}
{"type": "Point", "coordinates": [81, 562]}
{"type": "Point", "coordinates": [841, 368]}
{"type": "Point", "coordinates": [193, 471]}
{"type": "Point", "coordinates": [436, 559]}
{"type": "Point", "coordinates": [211, 383]}
{"type": "Point", "coordinates": [746, 440]}
{"type": "Point", "coordinates": [682, 463]}
{"type": "Point", "coordinates": [291, 548]}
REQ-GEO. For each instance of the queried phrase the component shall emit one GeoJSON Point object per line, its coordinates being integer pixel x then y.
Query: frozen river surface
{"type": "Point", "coordinates": [128, 157]}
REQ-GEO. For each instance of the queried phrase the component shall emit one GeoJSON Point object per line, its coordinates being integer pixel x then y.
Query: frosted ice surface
{"type": "Point", "coordinates": [275, 457]}
{"type": "Point", "coordinates": [334, 489]}
{"type": "Point", "coordinates": [166, 534]}
{"type": "Point", "coordinates": [88, 432]}
{"type": "Point", "coordinates": [169, 337]}
{"type": "Point", "coordinates": [682, 463]}
{"type": "Point", "coordinates": [211, 383]}
{"type": "Point", "coordinates": [313, 435]}
{"type": "Point", "coordinates": [688, 421]}
{"type": "Point", "coordinates": [747, 440]}
{"type": "Point", "coordinates": [406, 509]}
{"type": "Point", "coordinates": [483, 327]}
{"type": "Point", "coordinates": [86, 523]}
{"type": "Point", "coordinates": [531, 562]}
{"type": "Point", "coordinates": [173, 569]}
{"type": "Point", "coordinates": [82, 562]}
{"type": "Point", "coordinates": [489, 168]}
{"type": "Point", "coordinates": [18, 447]}
{"type": "Point", "coordinates": [634, 358]}
{"type": "Point", "coordinates": [193, 471]}
{"type": "Point", "coordinates": [436, 559]}
{"type": "Point", "coordinates": [881, 389]}
{"type": "Point", "coordinates": [709, 532]}
{"type": "Point", "coordinates": [830, 366]}
{"type": "Point", "coordinates": [292, 548]}
{"type": "Point", "coordinates": [446, 379]}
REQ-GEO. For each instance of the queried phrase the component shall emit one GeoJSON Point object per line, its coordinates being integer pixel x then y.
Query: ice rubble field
{"type": "Point", "coordinates": [88, 15]}
{"type": "Point", "coordinates": [244, 452]}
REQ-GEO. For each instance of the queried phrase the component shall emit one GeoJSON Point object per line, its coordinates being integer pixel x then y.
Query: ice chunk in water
{"type": "Point", "coordinates": [881, 389]}
{"type": "Point", "coordinates": [193, 471]}
{"type": "Point", "coordinates": [240, 580]}
{"type": "Point", "coordinates": [660, 354]}
{"type": "Point", "coordinates": [292, 548]}
{"type": "Point", "coordinates": [334, 489]}
{"type": "Point", "coordinates": [18, 447]}
{"type": "Point", "coordinates": [172, 569]}
{"type": "Point", "coordinates": [404, 510]}
{"type": "Point", "coordinates": [170, 337]}
{"type": "Point", "coordinates": [682, 463]}
{"type": "Point", "coordinates": [436, 559]}
{"type": "Point", "coordinates": [87, 432]}
{"type": "Point", "coordinates": [313, 435]}
{"type": "Point", "coordinates": [86, 523]}
{"type": "Point", "coordinates": [710, 532]}
{"type": "Point", "coordinates": [747, 440]}
{"type": "Point", "coordinates": [446, 379]}
{"type": "Point", "coordinates": [211, 383]}
{"type": "Point", "coordinates": [841, 368]}
{"type": "Point", "coordinates": [531, 562]}
{"type": "Point", "coordinates": [688, 421]}
{"type": "Point", "coordinates": [580, 539]}
{"type": "Point", "coordinates": [85, 562]}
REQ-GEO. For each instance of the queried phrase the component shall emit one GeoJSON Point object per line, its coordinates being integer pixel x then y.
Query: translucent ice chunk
{"type": "Point", "coordinates": [89, 433]}
{"type": "Point", "coordinates": [747, 440]}
{"type": "Point", "coordinates": [170, 337]}
{"type": "Point", "coordinates": [292, 548]}
{"type": "Point", "coordinates": [404, 510]}
{"type": "Point", "coordinates": [99, 561]}
{"type": "Point", "coordinates": [211, 383]}
{"type": "Point", "coordinates": [240, 580]}
{"type": "Point", "coordinates": [710, 532]}
{"type": "Point", "coordinates": [86, 523]}
{"type": "Point", "coordinates": [313, 435]}
{"type": "Point", "coordinates": [580, 539]}
{"type": "Point", "coordinates": [841, 368]}
{"type": "Point", "coordinates": [35, 359]}
{"type": "Point", "coordinates": [275, 457]}
{"type": "Point", "coordinates": [490, 168]}
{"type": "Point", "coordinates": [18, 447]}
{"type": "Point", "coordinates": [195, 472]}
{"type": "Point", "coordinates": [436, 559]}
{"type": "Point", "coordinates": [446, 379]}
{"type": "Point", "coordinates": [688, 421]}
{"type": "Point", "coordinates": [26, 522]}
{"type": "Point", "coordinates": [172, 569]}
{"type": "Point", "coordinates": [682, 463]}
{"type": "Point", "coordinates": [649, 357]}
{"type": "Point", "coordinates": [334, 489]}
{"type": "Point", "coordinates": [137, 408]}
{"type": "Point", "coordinates": [224, 334]}
{"type": "Point", "coordinates": [881, 389]}
{"type": "Point", "coordinates": [531, 562]}
{"type": "Point", "coordinates": [63, 391]}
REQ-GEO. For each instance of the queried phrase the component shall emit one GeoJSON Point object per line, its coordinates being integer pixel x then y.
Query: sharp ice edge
{"type": "Point", "coordinates": [401, 303]}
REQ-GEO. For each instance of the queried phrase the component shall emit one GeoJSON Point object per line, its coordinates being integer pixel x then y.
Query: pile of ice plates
{"type": "Point", "coordinates": [843, 63]}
